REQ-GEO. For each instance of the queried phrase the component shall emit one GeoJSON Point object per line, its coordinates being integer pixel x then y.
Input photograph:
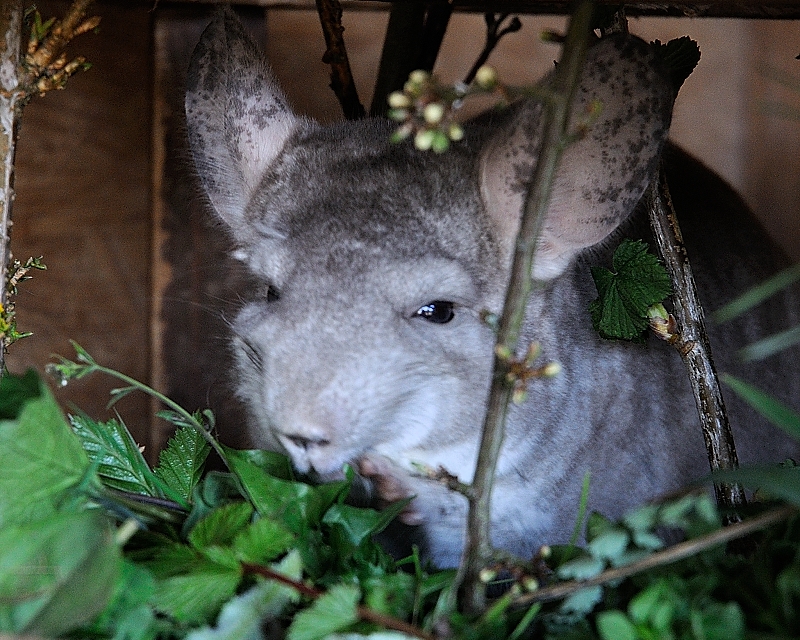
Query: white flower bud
{"type": "Point", "coordinates": [424, 139]}
{"type": "Point", "coordinates": [433, 113]}
{"type": "Point", "coordinates": [399, 100]}
{"type": "Point", "coordinates": [486, 77]}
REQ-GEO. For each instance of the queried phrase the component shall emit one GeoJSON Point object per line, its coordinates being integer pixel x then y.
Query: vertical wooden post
{"type": "Point", "coordinates": [11, 100]}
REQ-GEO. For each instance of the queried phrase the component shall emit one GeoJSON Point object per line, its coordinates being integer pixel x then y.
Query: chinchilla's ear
{"type": "Point", "coordinates": [237, 118]}
{"type": "Point", "coordinates": [603, 175]}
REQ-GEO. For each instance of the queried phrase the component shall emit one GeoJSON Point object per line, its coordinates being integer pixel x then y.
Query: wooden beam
{"type": "Point", "coordinates": [770, 9]}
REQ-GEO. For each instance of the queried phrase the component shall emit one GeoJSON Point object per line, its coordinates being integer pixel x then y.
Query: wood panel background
{"type": "Point", "coordinates": [139, 275]}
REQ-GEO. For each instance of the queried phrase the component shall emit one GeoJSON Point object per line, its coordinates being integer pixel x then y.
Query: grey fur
{"type": "Point", "coordinates": [356, 234]}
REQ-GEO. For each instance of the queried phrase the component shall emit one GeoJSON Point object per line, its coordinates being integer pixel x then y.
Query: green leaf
{"type": "Point", "coordinates": [358, 523]}
{"type": "Point", "coordinates": [582, 601]}
{"type": "Point", "coordinates": [758, 294]}
{"type": "Point", "coordinates": [42, 460]}
{"type": "Point", "coordinates": [119, 459]}
{"type": "Point", "coordinates": [57, 573]}
{"type": "Point", "coordinates": [195, 597]}
{"type": "Point", "coordinates": [718, 621]}
{"type": "Point", "coordinates": [770, 345]}
{"type": "Point", "coordinates": [777, 413]}
{"type": "Point", "coordinates": [242, 617]}
{"type": "Point", "coordinates": [221, 526]}
{"type": "Point", "coordinates": [610, 544]}
{"type": "Point", "coordinates": [181, 463]}
{"type": "Point", "coordinates": [637, 282]}
{"type": "Point", "coordinates": [581, 568]}
{"type": "Point", "coordinates": [296, 504]}
{"type": "Point", "coordinates": [262, 541]}
{"type": "Point", "coordinates": [128, 615]}
{"type": "Point", "coordinates": [331, 612]}
{"type": "Point", "coordinates": [391, 594]}
{"type": "Point", "coordinates": [614, 625]}
{"type": "Point", "coordinates": [776, 481]}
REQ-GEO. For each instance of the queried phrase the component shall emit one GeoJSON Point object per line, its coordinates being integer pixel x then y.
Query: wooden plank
{"type": "Point", "coordinates": [771, 9]}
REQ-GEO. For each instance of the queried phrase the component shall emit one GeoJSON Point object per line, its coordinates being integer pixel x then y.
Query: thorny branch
{"type": "Point", "coordinates": [477, 549]}
{"type": "Point", "coordinates": [691, 341]}
{"type": "Point", "coordinates": [330, 16]}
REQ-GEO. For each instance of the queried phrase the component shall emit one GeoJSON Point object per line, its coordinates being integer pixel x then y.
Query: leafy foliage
{"type": "Point", "coordinates": [637, 282]}
{"type": "Point", "coordinates": [109, 548]}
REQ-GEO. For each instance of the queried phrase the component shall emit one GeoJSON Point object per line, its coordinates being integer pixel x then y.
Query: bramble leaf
{"type": "Point", "coordinates": [637, 282]}
{"type": "Point", "coordinates": [181, 463]}
{"type": "Point", "coordinates": [331, 612]}
{"type": "Point", "coordinates": [119, 459]}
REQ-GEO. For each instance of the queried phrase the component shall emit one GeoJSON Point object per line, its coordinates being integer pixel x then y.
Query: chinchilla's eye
{"type": "Point", "coordinates": [438, 311]}
{"type": "Point", "coordinates": [273, 294]}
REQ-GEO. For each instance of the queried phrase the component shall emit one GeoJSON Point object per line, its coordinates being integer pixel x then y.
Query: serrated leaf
{"type": "Point", "coordinates": [181, 463]}
{"type": "Point", "coordinates": [331, 612]}
{"type": "Point", "coordinates": [196, 597]}
{"type": "Point", "coordinates": [221, 526]}
{"type": "Point", "coordinates": [242, 617]}
{"type": "Point", "coordinates": [262, 541]}
{"type": "Point", "coordinates": [637, 282]}
{"type": "Point", "coordinates": [120, 461]}
{"type": "Point", "coordinates": [42, 460]}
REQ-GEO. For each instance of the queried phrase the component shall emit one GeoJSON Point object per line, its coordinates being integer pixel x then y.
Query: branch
{"type": "Point", "coordinates": [667, 556]}
{"type": "Point", "coordinates": [10, 110]}
{"type": "Point", "coordinates": [477, 550]}
{"type": "Point", "coordinates": [330, 16]}
{"type": "Point", "coordinates": [691, 341]}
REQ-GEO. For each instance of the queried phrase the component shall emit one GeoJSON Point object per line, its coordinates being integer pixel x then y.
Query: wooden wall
{"type": "Point", "coordinates": [139, 276]}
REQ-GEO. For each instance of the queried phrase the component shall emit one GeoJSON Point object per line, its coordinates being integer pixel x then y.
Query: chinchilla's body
{"type": "Point", "coordinates": [366, 343]}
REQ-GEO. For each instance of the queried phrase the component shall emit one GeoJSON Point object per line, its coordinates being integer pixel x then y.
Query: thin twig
{"type": "Point", "coordinates": [477, 550]}
{"type": "Point", "coordinates": [669, 555]}
{"type": "Point", "coordinates": [494, 33]}
{"type": "Point", "coordinates": [691, 341]}
{"type": "Point", "coordinates": [364, 613]}
{"type": "Point", "coordinates": [330, 17]}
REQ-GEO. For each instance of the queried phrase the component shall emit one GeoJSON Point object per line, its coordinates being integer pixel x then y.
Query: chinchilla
{"type": "Point", "coordinates": [366, 342]}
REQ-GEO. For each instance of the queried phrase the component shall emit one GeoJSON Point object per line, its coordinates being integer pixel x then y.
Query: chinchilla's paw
{"type": "Point", "coordinates": [391, 483]}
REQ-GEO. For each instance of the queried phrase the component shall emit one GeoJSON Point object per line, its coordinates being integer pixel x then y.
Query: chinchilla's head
{"type": "Point", "coordinates": [377, 261]}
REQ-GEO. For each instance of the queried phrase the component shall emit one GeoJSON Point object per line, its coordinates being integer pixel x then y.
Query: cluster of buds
{"type": "Point", "coordinates": [425, 108]}
{"type": "Point", "coordinates": [522, 371]}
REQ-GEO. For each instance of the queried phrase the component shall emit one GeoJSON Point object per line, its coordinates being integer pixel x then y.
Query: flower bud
{"type": "Point", "coordinates": [433, 112]}
{"type": "Point", "coordinates": [455, 132]}
{"type": "Point", "coordinates": [399, 100]}
{"type": "Point", "coordinates": [424, 139]}
{"type": "Point", "coordinates": [486, 77]}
